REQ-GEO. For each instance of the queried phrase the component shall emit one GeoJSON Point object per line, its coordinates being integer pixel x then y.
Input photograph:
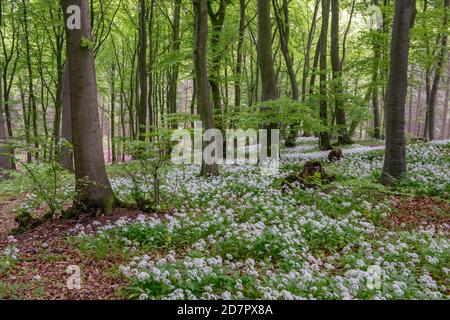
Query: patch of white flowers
{"type": "Point", "coordinates": [10, 252]}
{"type": "Point", "coordinates": [239, 237]}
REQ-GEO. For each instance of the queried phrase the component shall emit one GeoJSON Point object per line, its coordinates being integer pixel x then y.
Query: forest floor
{"type": "Point", "coordinates": [242, 236]}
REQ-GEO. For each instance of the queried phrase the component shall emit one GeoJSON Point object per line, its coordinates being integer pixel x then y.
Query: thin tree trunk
{"type": "Point", "coordinates": [32, 98]}
{"type": "Point", "coordinates": [376, 35]}
{"type": "Point", "coordinates": [418, 110]}
{"type": "Point", "coordinates": [282, 17]}
{"type": "Point", "coordinates": [151, 22]}
{"type": "Point", "coordinates": [239, 54]}
{"type": "Point", "coordinates": [312, 81]}
{"type": "Point", "coordinates": [445, 111]}
{"type": "Point", "coordinates": [175, 48]}
{"type": "Point", "coordinates": [26, 120]}
{"type": "Point", "coordinates": [410, 109]}
{"type": "Point", "coordinates": [341, 119]}
{"type": "Point", "coordinates": [5, 159]}
{"type": "Point", "coordinates": [113, 113]}
{"type": "Point", "coordinates": [142, 113]}
{"type": "Point", "coordinates": [325, 138]}
{"type": "Point", "coordinates": [437, 75]}
{"type": "Point", "coordinates": [307, 61]}
{"type": "Point", "coordinates": [201, 75]}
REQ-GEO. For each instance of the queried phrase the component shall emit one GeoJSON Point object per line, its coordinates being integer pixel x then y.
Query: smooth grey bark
{"type": "Point", "coordinates": [32, 97]}
{"type": "Point", "coordinates": [307, 62]}
{"type": "Point", "coordinates": [410, 109]}
{"type": "Point", "coordinates": [312, 80]}
{"type": "Point", "coordinates": [265, 57]}
{"type": "Point", "coordinates": [441, 59]}
{"type": "Point", "coordinates": [26, 112]}
{"type": "Point", "coordinates": [151, 53]}
{"type": "Point", "coordinates": [377, 52]}
{"type": "Point", "coordinates": [5, 159]}
{"type": "Point", "coordinates": [113, 114]}
{"type": "Point", "coordinates": [239, 53]}
{"type": "Point", "coordinates": [217, 22]}
{"type": "Point", "coordinates": [201, 76]}
{"type": "Point", "coordinates": [445, 110]}
{"type": "Point", "coordinates": [395, 154]}
{"type": "Point", "coordinates": [142, 110]}
{"type": "Point", "coordinates": [418, 110]}
{"type": "Point", "coordinates": [341, 119]}
{"type": "Point", "coordinates": [282, 18]}
{"type": "Point", "coordinates": [266, 63]}
{"type": "Point", "coordinates": [324, 137]}
{"type": "Point", "coordinates": [175, 47]}
{"type": "Point", "coordinates": [92, 185]}
{"type": "Point", "coordinates": [10, 56]}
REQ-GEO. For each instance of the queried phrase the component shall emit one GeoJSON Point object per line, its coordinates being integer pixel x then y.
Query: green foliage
{"type": "Point", "coordinates": [285, 113]}
{"type": "Point", "coordinates": [49, 187]}
{"type": "Point", "coordinates": [151, 159]}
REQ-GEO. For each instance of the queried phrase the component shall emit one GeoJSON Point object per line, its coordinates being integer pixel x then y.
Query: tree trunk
{"type": "Point", "coordinates": [265, 57]}
{"type": "Point", "coordinates": [410, 109]}
{"type": "Point", "coordinates": [92, 185]}
{"type": "Point", "coordinates": [31, 98]}
{"type": "Point", "coordinates": [324, 139]}
{"type": "Point", "coordinates": [151, 22]}
{"type": "Point", "coordinates": [66, 150]}
{"type": "Point", "coordinates": [445, 111]}
{"type": "Point", "coordinates": [201, 76]}
{"type": "Point", "coordinates": [5, 160]}
{"type": "Point", "coordinates": [282, 17]}
{"type": "Point", "coordinates": [26, 120]}
{"type": "Point", "coordinates": [239, 54]}
{"type": "Point", "coordinates": [418, 110]}
{"type": "Point", "coordinates": [173, 81]}
{"type": "Point", "coordinates": [266, 65]}
{"type": "Point", "coordinates": [395, 154]}
{"type": "Point", "coordinates": [142, 113]}
{"type": "Point", "coordinates": [217, 23]}
{"type": "Point", "coordinates": [113, 113]}
{"type": "Point", "coordinates": [307, 62]}
{"type": "Point", "coordinates": [341, 120]}
{"type": "Point", "coordinates": [441, 59]}
{"type": "Point", "coordinates": [376, 36]}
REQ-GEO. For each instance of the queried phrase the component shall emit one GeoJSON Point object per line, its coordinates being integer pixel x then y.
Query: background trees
{"type": "Point", "coordinates": [331, 58]}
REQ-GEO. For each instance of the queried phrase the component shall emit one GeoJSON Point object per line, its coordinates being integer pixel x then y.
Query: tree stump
{"type": "Point", "coordinates": [335, 155]}
{"type": "Point", "coordinates": [312, 176]}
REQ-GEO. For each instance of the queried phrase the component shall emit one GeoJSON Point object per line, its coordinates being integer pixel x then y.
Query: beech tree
{"type": "Point", "coordinates": [336, 62]}
{"type": "Point", "coordinates": [439, 70]}
{"type": "Point", "coordinates": [5, 161]}
{"type": "Point", "coordinates": [265, 62]}
{"type": "Point", "coordinates": [325, 138]}
{"type": "Point", "coordinates": [395, 155]}
{"type": "Point", "coordinates": [92, 184]}
{"type": "Point", "coordinates": [142, 112]}
{"type": "Point", "coordinates": [201, 77]}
